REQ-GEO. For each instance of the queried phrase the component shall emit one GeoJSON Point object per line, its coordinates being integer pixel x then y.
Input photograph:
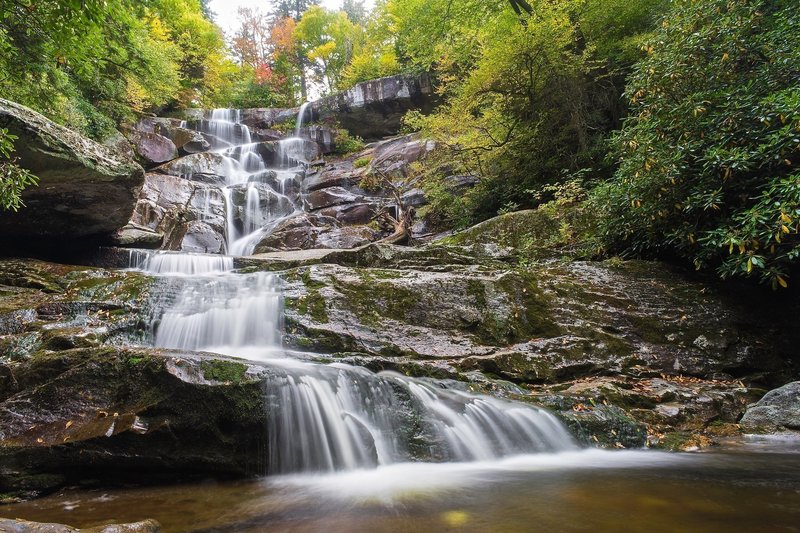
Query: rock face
{"type": "Point", "coordinates": [187, 215]}
{"type": "Point", "coordinates": [779, 409]}
{"type": "Point", "coordinates": [85, 189]}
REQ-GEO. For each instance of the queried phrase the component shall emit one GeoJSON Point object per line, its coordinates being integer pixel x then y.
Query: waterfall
{"type": "Point", "coordinates": [176, 263]}
{"type": "Point", "coordinates": [229, 314]}
{"type": "Point", "coordinates": [254, 203]}
{"type": "Point", "coordinates": [321, 417]}
{"type": "Point", "coordinates": [300, 115]}
{"type": "Point", "coordinates": [337, 417]}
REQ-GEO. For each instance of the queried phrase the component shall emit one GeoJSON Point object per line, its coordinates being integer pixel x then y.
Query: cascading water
{"type": "Point", "coordinates": [260, 184]}
{"type": "Point", "coordinates": [322, 418]}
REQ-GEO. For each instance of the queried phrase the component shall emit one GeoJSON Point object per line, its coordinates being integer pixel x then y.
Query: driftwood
{"type": "Point", "coordinates": [401, 220]}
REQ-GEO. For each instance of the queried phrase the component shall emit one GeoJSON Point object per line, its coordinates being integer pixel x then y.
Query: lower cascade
{"type": "Point", "coordinates": [325, 418]}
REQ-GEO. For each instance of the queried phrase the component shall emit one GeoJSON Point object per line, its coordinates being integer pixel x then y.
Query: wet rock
{"type": "Point", "coordinates": [24, 526]}
{"type": "Point", "coordinates": [356, 213]}
{"type": "Point", "coordinates": [606, 426]}
{"type": "Point", "coordinates": [106, 413]}
{"type": "Point", "coordinates": [153, 149]}
{"type": "Point", "coordinates": [268, 117]}
{"type": "Point", "coordinates": [271, 204]}
{"type": "Point", "coordinates": [85, 189]}
{"type": "Point", "coordinates": [201, 237]}
{"type": "Point", "coordinates": [329, 197]}
{"type": "Point", "coordinates": [413, 313]}
{"type": "Point", "coordinates": [186, 141]}
{"type": "Point", "coordinates": [322, 135]}
{"type": "Point", "coordinates": [778, 410]}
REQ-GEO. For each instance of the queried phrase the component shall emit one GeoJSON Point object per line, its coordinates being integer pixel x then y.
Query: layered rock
{"type": "Point", "coordinates": [86, 190]}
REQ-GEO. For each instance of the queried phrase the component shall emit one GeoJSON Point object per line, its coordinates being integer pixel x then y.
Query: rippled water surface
{"type": "Point", "coordinates": [743, 490]}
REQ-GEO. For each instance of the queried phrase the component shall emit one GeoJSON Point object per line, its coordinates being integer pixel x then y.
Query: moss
{"type": "Point", "coordinates": [529, 316]}
{"type": "Point", "coordinates": [362, 162]}
{"type": "Point", "coordinates": [224, 371]}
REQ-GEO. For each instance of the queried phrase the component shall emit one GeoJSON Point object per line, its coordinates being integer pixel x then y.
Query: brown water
{"type": "Point", "coordinates": [592, 490]}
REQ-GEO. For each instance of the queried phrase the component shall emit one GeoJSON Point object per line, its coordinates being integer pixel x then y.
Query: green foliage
{"type": "Point", "coordinates": [13, 179]}
{"type": "Point", "coordinates": [708, 159]}
{"type": "Point", "coordinates": [348, 144]}
{"type": "Point", "coordinates": [529, 99]}
{"type": "Point", "coordinates": [91, 64]}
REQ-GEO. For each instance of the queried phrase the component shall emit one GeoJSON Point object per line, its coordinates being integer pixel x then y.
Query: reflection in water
{"type": "Point", "coordinates": [574, 491]}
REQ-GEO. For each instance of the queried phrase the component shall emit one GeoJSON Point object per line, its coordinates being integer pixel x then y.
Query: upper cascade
{"type": "Point", "coordinates": [261, 181]}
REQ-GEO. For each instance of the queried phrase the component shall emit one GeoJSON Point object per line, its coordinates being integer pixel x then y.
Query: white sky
{"type": "Point", "coordinates": [225, 10]}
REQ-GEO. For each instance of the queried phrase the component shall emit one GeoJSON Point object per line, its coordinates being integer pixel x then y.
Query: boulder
{"type": "Point", "coordinates": [778, 410]}
{"type": "Point", "coordinates": [85, 189]}
{"type": "Point", "coordinates": [204, 167]}
{"type": "Point", "coordinates": [152, 149]}
{"type": "Point", "coordinates": [186, 141]}
{"type": "Point", "coordinates": [329, 197]}
{"type": "Point", "coordinates": [137, 236]}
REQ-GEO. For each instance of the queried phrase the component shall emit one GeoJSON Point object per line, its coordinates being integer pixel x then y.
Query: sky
{"type": "Point", "coordinates": [226, 10]}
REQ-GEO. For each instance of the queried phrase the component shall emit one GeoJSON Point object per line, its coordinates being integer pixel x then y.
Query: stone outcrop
{"type": "Point", "coordinates": [371, 109]}
{"type": "Point", "coordinates": [375, 108]}
{"type": "Point", "coordinates": [86, 190]}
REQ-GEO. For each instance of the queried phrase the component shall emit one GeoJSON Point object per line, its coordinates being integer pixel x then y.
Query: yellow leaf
{"type": "Point", "coordinates": [730, 248]}
{"type": "Point", "coordinates": [782, 282]}
{"type": "Point", "coordinates": [784, 229]}
{"type": "Point", "coordinates": [749, 265]}
{"type": "Point", "coordinates": [785, 218]}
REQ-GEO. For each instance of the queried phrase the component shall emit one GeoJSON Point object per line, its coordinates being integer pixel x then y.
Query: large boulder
{"type": "Point", "coordinates": [85, 189]}
{"type": "Point", "coordinates": [779, 409]}
{"type": "Point", "coordinates": [153, 149]}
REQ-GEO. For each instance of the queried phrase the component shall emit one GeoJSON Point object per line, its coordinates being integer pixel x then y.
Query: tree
{"type": "Point", "coordinates": [327, 39]}
{"type": "Point", "coordinates": [708, 158]}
